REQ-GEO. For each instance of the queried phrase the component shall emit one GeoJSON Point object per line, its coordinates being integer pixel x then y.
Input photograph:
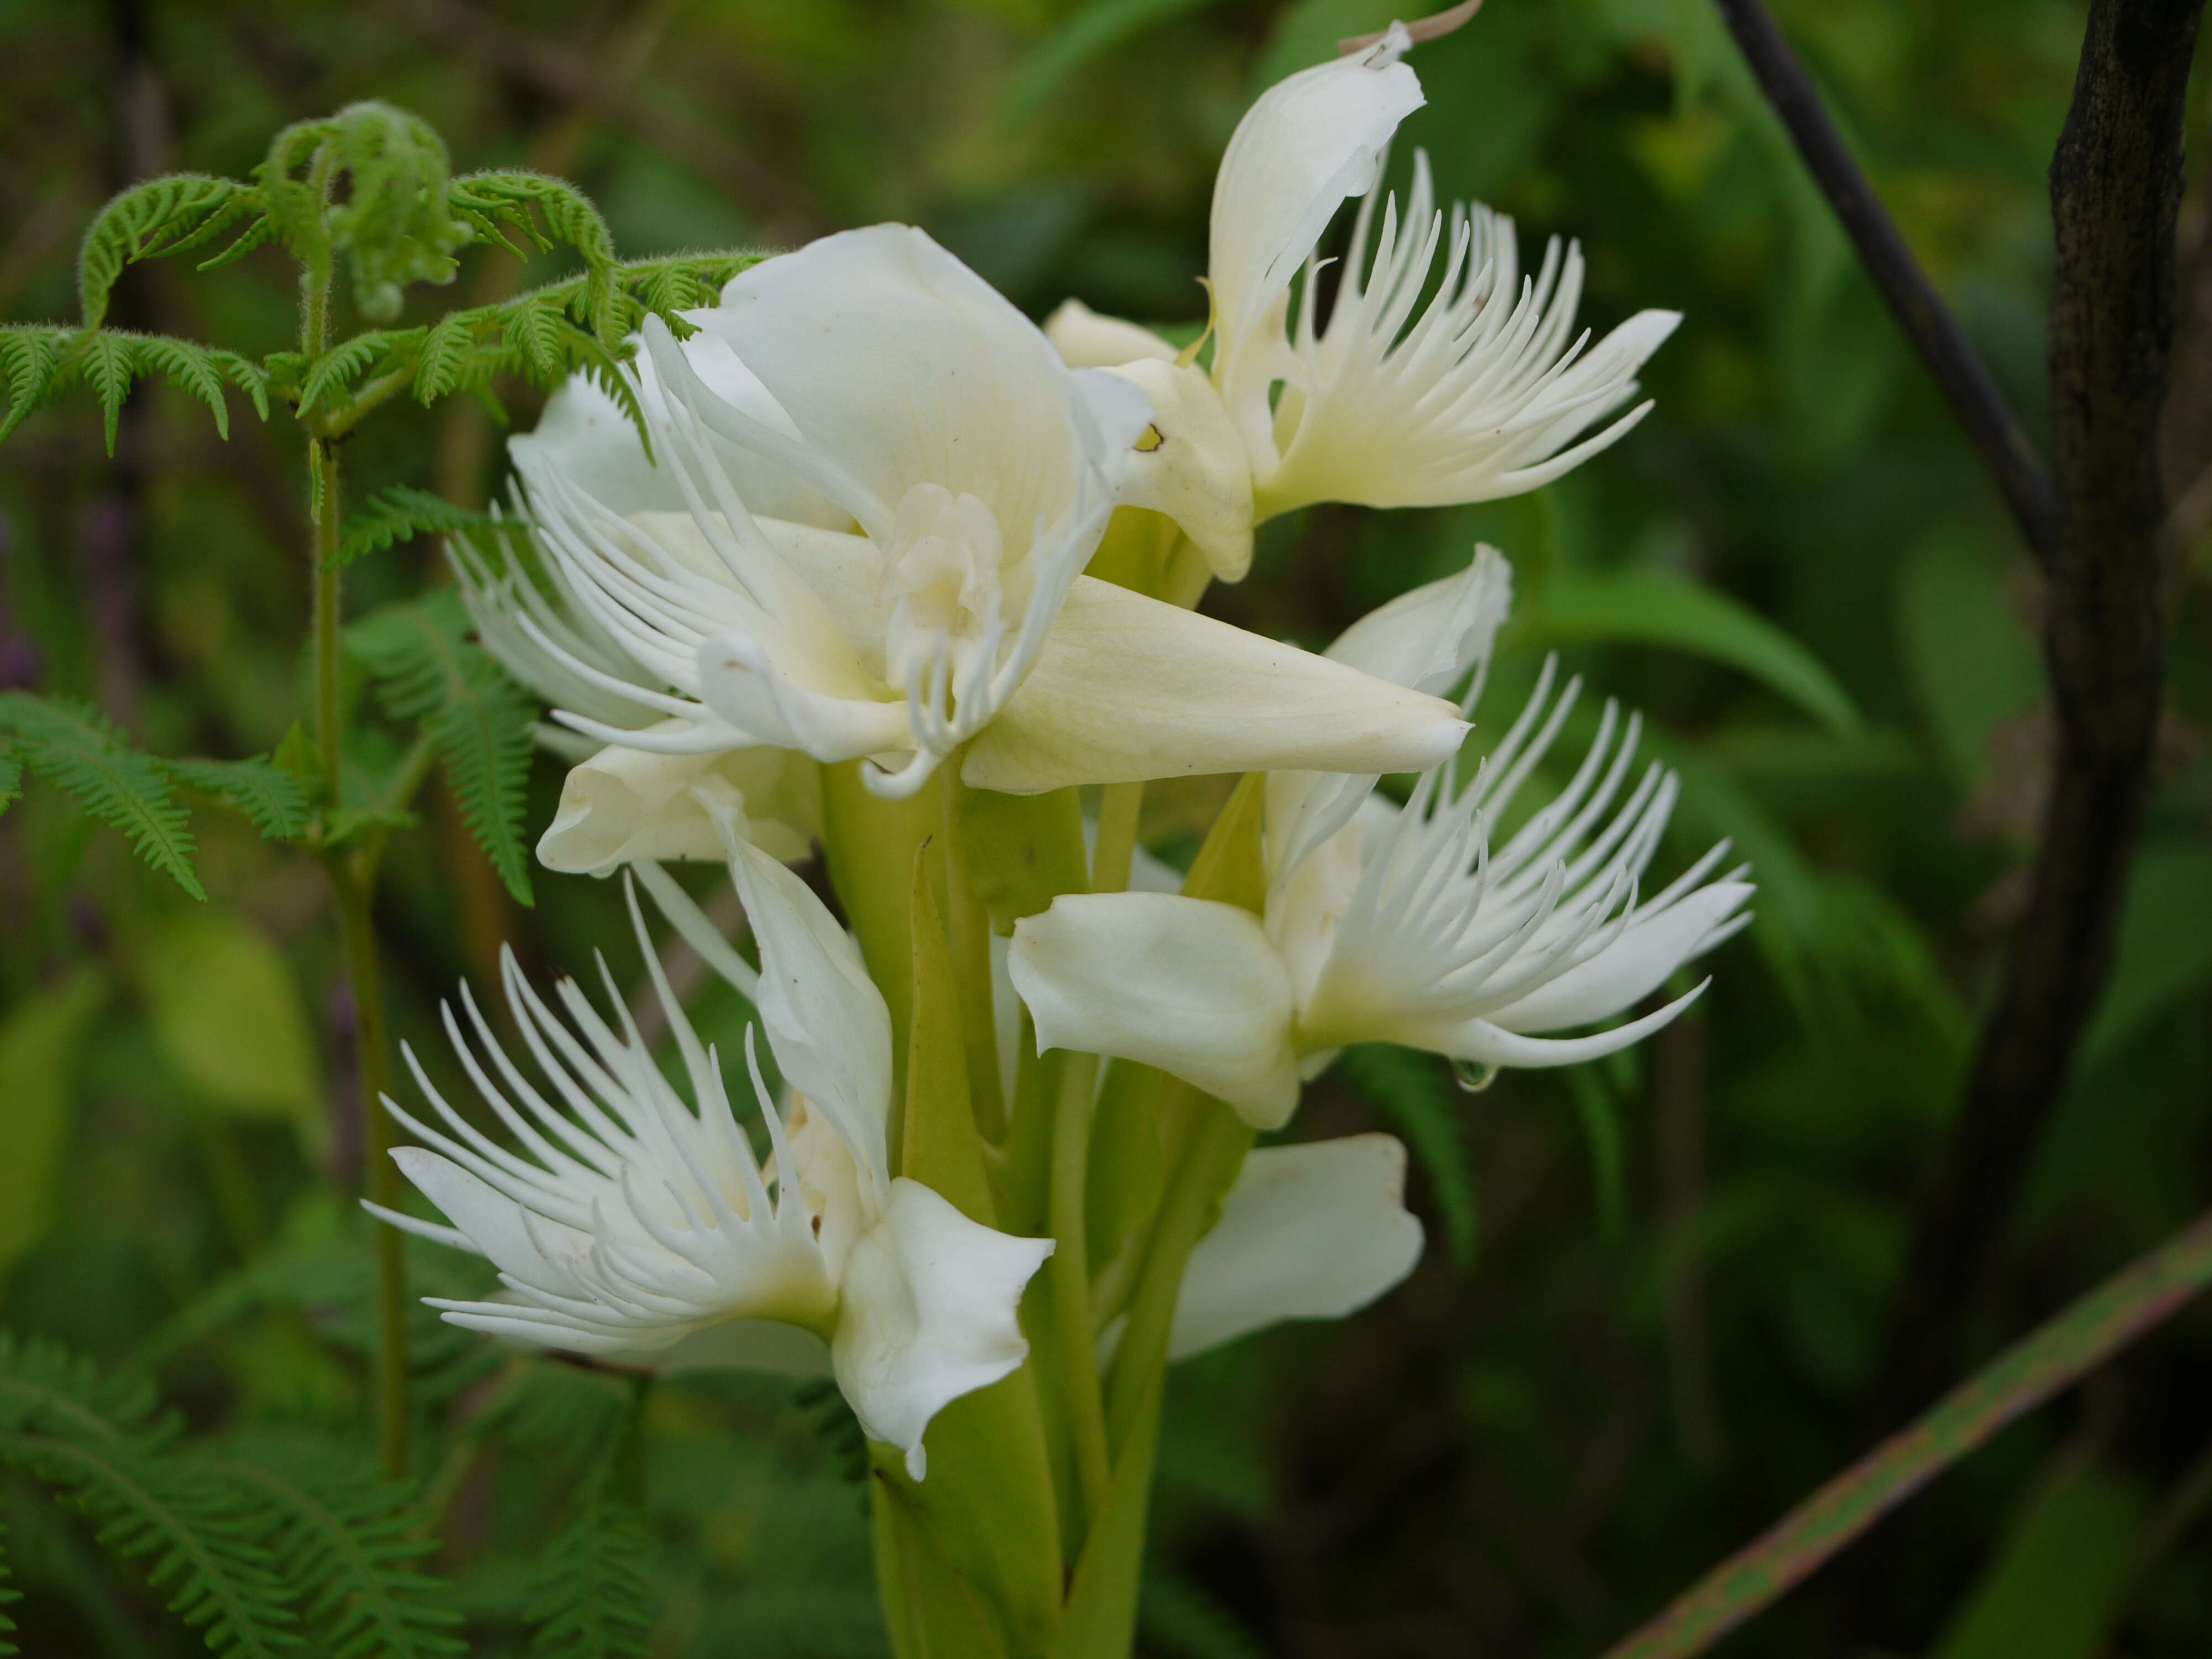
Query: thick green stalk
{"type": "Point", "coordinates": [869, 847]}
{"type": "Point", "coordinates": [1119, 805]}
{"type": "Point", "coordinates": [1075, 1333]}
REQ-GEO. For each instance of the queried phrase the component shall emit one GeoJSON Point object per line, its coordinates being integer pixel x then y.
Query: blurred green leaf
{"type": "Point", "coordinates": [1639, 608]}
{"type": "Point", "coordinates": [2056, 1588]}
{"type": "Point", "coordinates": [2164, 953]}
{"type": "Point", "coordinates": [38, 1044]}
{"type": "Point", "coordinates": [230, 1018]}
{"type": "Point", "coordinates": [1972, 663]}
{"type": "Point", "coordinates": [1097, 27]}
{"type": "Point", "coordinates": [1307, 32]}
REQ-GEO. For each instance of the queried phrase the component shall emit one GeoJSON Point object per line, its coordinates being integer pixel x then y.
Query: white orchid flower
{"type": "Point", "coordinates": [1481, 393]}
{"type": "Point", "coordinates": [618, 803]}
{"type": "Point", "coordinates": [1398, 925]}
{"type": "Point", "coordinates": [637, 1227]}
{"type": "Point", "coordinates": [977, 472]}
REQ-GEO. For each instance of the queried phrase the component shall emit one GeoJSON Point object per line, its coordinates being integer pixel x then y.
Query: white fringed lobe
{"type": "Point", "coordinates": [643, 1230]}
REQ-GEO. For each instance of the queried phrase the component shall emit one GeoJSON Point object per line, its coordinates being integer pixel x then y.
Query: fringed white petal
{"type": "Point", "coordinates": [1485, 393]}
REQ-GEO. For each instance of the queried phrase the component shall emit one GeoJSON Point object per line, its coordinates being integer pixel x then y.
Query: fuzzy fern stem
{"type": "Point", "coordinates": [353, 887]}
{"type": "Point", "coordinates": [373, 1063]}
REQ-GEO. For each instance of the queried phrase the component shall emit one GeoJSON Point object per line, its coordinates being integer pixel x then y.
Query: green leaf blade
{"type": "Point", "coordinates": [1639, 608]}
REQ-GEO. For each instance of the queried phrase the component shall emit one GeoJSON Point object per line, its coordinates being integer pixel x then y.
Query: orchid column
{"type": "Point", "coordinates": [817, 570]}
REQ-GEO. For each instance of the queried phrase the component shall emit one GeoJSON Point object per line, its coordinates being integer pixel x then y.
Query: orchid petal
{"type": "Point", "coordinates": [1129, 688]}
{"type": "Point", "coordinates": [1189, 984]}
{"type": "Point", "coordinates": [929, 1314]}
{"type": "Point", "coordinates": [624, 805]}
{"type": "Point", "coordinates": [1084, 339]}
{"type": "Point", "coordinates": [1317, 1230]}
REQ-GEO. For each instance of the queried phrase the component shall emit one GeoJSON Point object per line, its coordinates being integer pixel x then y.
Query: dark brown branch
{"type": "Point", "coordinates": [1990, 427]}
{"type": "Point", "coordinates": [2115, 191]}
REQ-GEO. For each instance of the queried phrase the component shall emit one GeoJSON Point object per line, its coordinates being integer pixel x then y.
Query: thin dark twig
{"type": "Point", "coordinates": [2115, 191]}
{"type": "Point", "coordinates": [1990, 426]}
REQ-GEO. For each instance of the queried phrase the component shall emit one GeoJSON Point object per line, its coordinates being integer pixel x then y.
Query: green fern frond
{"type": "Point", "coordinates": [190, 368]}
{"type": "Point", "coordinates": [195, 1539]}
{"type": "Point", "coordinates": [11, 781]}
{"type": "Point", "coordinates": [1409, 1089]}
{"type": "Point", "coordinates": [401, 513]}
{"type": "Point", "coordinates": [170, 214]}
{"type": "Point", "coordinates": [484, 741]}
{"type": "Point", "coordinates": [590, 1599]}
{"type": "Point", "coordinates": [427, 670]}
{"type": "Point", "coordinates": [273, 799]}
{"type": "Point", "coordinates": [98, 1442]}
{"type": "Point", "coordinates": [257, 233]}
{"type": "Point", "coordinates": [446, 347]}
{"type": "Point", "coordinates": [342, 364]}
{"type": "Point", "coordinates": [352, 1544]}
{"type": "Point", "coordinates": [246, 375]}
{"type": "Point", "coordinates": [29, 356]}
{"type": "Point", "coordinates": [73, 748]}
{"type": "Point", "coordinates": [108, 362]}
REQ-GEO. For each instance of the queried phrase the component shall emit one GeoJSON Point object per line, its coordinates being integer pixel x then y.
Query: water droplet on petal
{"type": "Point", "coordinates": [1473, 1076]}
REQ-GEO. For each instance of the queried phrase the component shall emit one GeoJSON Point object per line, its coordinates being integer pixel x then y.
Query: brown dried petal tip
{"type": "Point", "coordinates": [1433, 27]}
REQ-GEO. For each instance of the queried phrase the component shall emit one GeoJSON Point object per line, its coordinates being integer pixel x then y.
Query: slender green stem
{"type": "Point", "coordinates": [1209, 1162]}
{"type": "Point", "coordinates": [322, 474]}
{"type": "Point", "coordinates": [968, 932]}
{"type": "Point", "coordinates": [1076, 1337]}
{"type": "Point", "coordinates": [2059, 1353]}
{"type": "Point", "coordinates": [1119, 804]}
{"type": "Point", "coordinates": [373, 1056]}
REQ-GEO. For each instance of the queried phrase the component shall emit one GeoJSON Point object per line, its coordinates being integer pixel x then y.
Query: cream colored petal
{"type": "Point", "coordinates": [1306, 145]}
{"type": "Point", "coordinates": [1085, 339]}
{"type": "Point", "coordinates": [1192, 465]}
{"type": "Point", "coordinates": [1129, 688]}
{"type": "Point", "coordinates": [827, 709]}
{"type": "Point", "coordinates": [1311, 1231]}
{"type": "Point", "coordinates": [928, 1313]}
{"type": "Point", "coordinates": [826, 1021]}
{"type": "Point", "coordinates": [903, 366]}
{"type": "Point", "coordinates": [1430, 638]}
{"type": "Point", "coordinates": [624, 805]}
{"type": "Point", "coordinates": [1187, 984]}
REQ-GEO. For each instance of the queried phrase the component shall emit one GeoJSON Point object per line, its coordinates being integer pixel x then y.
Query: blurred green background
{"type": "Point", "coordinates": [1656, 1288]}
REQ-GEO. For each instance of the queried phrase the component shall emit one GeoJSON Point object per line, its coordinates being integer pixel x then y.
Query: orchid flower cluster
{"type": "Point", "coordinates": [868, 561]}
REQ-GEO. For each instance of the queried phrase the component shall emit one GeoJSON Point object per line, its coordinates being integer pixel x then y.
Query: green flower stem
{"type": "Point", "coordinates": [1119, 804]}
{"type": "Point", "coordinates": [2077, 1341]}
{"type": "Point", "coordinates": [968, 931]}
{"type": "Point", "coordinates": [1214, 1153]}
{"type": "Point", "coordinates": [1075, 1334]}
